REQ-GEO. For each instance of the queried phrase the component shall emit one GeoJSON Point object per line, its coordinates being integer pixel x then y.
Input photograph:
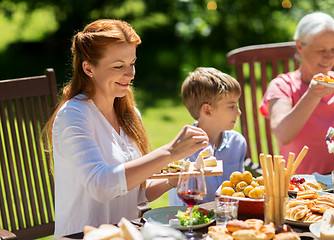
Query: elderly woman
{"type": "Point", "coordinates": [301, 110]}
{"type": "Point", "coordinates": [100, 148]}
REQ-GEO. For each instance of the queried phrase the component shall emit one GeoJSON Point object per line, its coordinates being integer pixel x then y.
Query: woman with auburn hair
{"type": "Point", "coordinates": [99, 145]}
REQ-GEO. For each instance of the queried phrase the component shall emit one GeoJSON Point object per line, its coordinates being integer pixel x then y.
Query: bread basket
{"type": "Point", "coordinates": [247, 206]}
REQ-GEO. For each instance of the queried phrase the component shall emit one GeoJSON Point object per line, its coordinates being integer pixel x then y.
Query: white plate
{"type": "Point", "coordinates": [327, 84]}
{"type": "Point", "coordinates": [310, 178]}
{"type": "Point", "coordinates": [315, 229]}
{"type": "Point", "coordinates": [163, 215]}
{"type": "Point", "coordinates": [298, 223]}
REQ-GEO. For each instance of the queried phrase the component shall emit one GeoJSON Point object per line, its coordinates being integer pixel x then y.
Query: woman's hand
{"type": "Point", "coordinates": [189, 140]}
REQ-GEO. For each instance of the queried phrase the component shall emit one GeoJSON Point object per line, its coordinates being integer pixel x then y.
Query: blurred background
{"type": "Point", "coordinates": [177, 35]}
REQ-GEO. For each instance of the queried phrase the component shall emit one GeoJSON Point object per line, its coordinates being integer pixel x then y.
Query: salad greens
{"type": "Point", "coordinates": [200, 216]}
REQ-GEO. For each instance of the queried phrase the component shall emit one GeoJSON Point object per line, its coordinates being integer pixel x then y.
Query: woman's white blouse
{"type": "Point", "coordinates": [89, 157]}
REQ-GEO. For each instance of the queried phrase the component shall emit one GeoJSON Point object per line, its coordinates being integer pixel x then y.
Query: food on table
{"type": "Point", "coordinates": [206, 158]}
{"type": "Point", "coordinates": [103, 232]}
{"type": "Point", "coordinates": [200, 216]}
{"type": "Point", "coordinates": [327, 225]}
{"type": "Point", "coordinates": [247, 177]}
{"type": "Point", "coordinates": [227, 191]}
{"type": "Point", "coordinates": [176, 166]}
{"type": "Point", "coordinates": [307, 194]}
{"type": "Point", "coordinates": [297, 212]}
{"type": "Point", "coordinates": [129, 231]}
{"type": "Point", "coordinates": [309, 206]}
{"type": "Point", "coordinates": [243, 185]}
{"type": "Point", "coordinates": [299, 184]}
{"type": "Point", "coordinates": [247, 190]}
{"type": "Point", "coordinates": [286, 236]}
{"type": "Point", "coordinates": [236, 177]}
{"type": "Point", "coordinates": [250, 229]}
{"type": "Point", "coordinates": [125, 230]}
{"type": "Point", "coordinates": [235, 225]}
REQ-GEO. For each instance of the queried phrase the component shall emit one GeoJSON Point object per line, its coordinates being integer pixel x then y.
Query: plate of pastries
{"type": "Point", "coordinates": [308, 207]}
{"type": "Point", "coordinates": [250, 229]}
{"type": "Point", "coordinates": [247, 189]}
{"type": "Point", "coordinates": [304, 182]}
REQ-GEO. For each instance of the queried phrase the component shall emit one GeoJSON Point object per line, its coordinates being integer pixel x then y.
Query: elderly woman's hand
{"type": "Point", "coordinates": [319, 90]}
{"type": "Point", "coordinates": [189, 140]}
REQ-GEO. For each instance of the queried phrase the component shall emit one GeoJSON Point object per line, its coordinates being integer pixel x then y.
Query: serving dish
{"type": "Point", "coordinates": [246, 205]}
{"type": "Point", "coordinates": [317, 177]}
{"type": "Point", "coordinates": [208, 171]}
{"type": "Point", "coordinates": [298, 223]}
{"type": "Point", "coordinates": [327, 84]}
{"type": "Point", "coordinates": [163, 215]}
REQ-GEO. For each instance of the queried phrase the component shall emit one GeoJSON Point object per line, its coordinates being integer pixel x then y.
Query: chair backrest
{"type": "Point", "coordinates": [26, 181]}
{"type": "Point", "coordinates": [255, 66]}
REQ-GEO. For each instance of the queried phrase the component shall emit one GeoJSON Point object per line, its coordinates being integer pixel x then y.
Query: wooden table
{"type": "Point", "coordinates": [303, 232]}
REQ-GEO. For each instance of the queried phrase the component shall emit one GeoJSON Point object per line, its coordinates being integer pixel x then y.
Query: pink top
{"type": "Point", "coordinates": [317, 159]}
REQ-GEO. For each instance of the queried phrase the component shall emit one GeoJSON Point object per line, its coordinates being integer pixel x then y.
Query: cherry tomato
{"type": "Point", "coordinates": [204, 211]}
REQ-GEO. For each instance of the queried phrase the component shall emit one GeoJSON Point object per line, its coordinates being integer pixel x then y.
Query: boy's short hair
{"type": "Point", "coordinates": [207, 85]}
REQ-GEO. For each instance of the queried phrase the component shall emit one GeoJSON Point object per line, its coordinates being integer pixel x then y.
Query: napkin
{"type": "Point", "coordinates": [153, 230]}
{"type": "Point", "coordinates": [326, 179]}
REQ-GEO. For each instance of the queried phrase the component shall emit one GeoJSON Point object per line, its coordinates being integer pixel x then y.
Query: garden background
{"type": "Point", "coordinates": [177, 36]}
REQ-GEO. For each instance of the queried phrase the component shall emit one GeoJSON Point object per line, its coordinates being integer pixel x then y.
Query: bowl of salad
{"type": "Point", "coordinates": [178, 217]}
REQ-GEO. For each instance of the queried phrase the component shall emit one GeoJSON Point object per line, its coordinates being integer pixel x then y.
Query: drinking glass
{"type": "Point", "coordinates": [191, 189]}
{"type": "Point", "coordinates": [226, 209]}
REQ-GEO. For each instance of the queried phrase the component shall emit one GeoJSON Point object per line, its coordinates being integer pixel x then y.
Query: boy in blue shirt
{"type": "Point", "coordinates": [211, 98]}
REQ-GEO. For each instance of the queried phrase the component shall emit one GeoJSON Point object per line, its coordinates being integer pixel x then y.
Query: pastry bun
{"type": "Point", "coordinates": [235, 225]}
{"type": "Point", "coordinates": [308, 194]}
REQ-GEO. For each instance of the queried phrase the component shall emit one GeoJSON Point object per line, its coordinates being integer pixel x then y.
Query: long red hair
{"type": "Point", "coordinates": [89, 45]}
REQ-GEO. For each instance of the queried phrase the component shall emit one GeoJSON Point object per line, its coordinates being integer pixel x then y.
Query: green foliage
{"type": "Point", "coordinates": [177, 35]}
{"type": "Point", "coordinates": [19, 24]}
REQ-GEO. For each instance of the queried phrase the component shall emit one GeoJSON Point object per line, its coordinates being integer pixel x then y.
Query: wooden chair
{"type": "Point", "coordinates": [255, 66]}
{"type": "Point", "coordinates": [26, 182]}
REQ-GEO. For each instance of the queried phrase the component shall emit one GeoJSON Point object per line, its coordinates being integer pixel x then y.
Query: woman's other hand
{"type": "Point", "coordinates": [189, 140]}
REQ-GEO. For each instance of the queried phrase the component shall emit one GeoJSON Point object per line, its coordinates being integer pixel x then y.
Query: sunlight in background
{"type": "Point", "coordinates": [19, 24]}
{"type": "Point", "coordinates": [212, 5]}
{"type": "Point", "coordinates": [286, 4]}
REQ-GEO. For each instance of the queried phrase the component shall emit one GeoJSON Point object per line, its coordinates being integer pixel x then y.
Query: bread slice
{"type": "Point", "coordinates": [102, 233]}
{"type": "Point", "coordinates": [210, 162]}
{"type": "Point", "coordinates": [327, 225]}
{"type": "Point", "coordinates": [129, 231]}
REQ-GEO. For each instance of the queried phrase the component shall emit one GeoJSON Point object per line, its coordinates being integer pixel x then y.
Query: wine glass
{"type": "Point", "coordinates": [191, 189]}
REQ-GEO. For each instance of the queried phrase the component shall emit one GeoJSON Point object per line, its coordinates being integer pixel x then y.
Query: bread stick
{"type": "Point", "coordinates": [288, 174]}
{"type": "Point", "coordinates": [271, 183]}
{"type": "Point", "coordinates": [282, 188]}
{"type": "Point", "coordinates": [277, 188]}
{"type": "Point", "coordinates": [265, 172]}
{"type": "Point", "coordinates": [300, 157]}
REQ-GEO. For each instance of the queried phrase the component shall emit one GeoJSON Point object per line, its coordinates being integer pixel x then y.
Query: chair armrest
{"type": "Point", "coordinates": [142, 208]}
{"type": "Point", "coordinates": [7, 235]}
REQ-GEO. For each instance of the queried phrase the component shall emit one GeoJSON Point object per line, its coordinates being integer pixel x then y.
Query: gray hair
{"type": "Point", "coordinates": [312, 24]}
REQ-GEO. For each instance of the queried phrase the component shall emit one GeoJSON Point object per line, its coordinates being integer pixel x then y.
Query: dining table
{"type": "Point", "coordinates": [302, 230]}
